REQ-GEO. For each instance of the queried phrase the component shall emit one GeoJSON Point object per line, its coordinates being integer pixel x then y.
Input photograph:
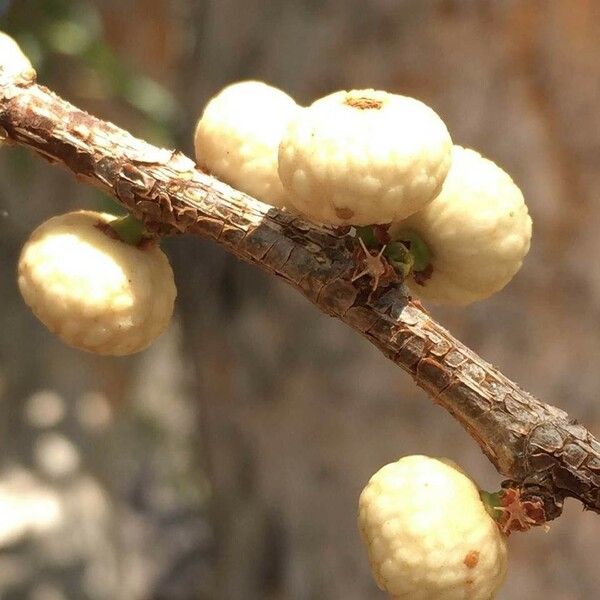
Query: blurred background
{"type": "Point", "coordinates": [226, 461]}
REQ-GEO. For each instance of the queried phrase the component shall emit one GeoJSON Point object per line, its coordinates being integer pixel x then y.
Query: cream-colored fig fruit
{"type": "Point", "coordinates": [96, 293]}
{"type": "Point", "coordinates": [363, 157]}
{"type": "Point", "coordinates": [12, 60]}
{"type": "Point", "coordinates": [478, 231]}
{"type": "Point", "coordinates": [428, 535]}
{"type": "Point", "coordinates": [238, 135]}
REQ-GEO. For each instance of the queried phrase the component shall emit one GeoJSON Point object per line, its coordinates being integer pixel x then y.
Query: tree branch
{"type": "Point", "coordinates": [543, 452]}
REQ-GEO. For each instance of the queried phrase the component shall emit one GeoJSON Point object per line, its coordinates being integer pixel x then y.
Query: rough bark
{"type": "Point", "coordinates": [534, 445]}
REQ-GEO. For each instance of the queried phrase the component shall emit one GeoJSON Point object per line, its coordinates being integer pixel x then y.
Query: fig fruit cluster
{"type": "Point", "coordinates": [456, 228]}
{"type": "Point", "coordinates": [366, 158]}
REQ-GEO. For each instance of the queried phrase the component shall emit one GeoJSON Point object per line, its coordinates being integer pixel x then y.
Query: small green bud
{"type": "Point", "coordinates": [419, 250]}
{"type": "Point", "coordinates": [400, 257]}
{"type": "Point", "coordinates": [128, 229]}
{"type": "Point", "coordinates": [493, 503]}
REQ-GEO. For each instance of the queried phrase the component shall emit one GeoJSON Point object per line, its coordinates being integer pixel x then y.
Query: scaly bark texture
{"type": "Point", "coordinates": [536, 446]}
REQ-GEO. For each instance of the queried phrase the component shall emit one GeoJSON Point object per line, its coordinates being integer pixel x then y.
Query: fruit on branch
{"type": "Point", "coordinates": [94, 291]}
{"type": "Point", "coordinates": [428, 534]}
{"type": "Point", "coordinates": [12, 60]}
{"type": "Point", "coordinates": [363, 157]}
{"type": "Point", "coordinates": [477, 232]}
{"type": "Point", "coordinates": [238, 135]}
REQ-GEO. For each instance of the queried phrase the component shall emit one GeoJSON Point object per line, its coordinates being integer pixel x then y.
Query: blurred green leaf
{"type": "Point", "coordinates": [65, 42]}
{"type": "Point", "coordinates": [69, 37]}
{"type": "Point", "coordinates": [151, 98]}
{"type": "Point", "coordinates": [367, 235]}
{"type": "Point", "coordinates": [106, 204]}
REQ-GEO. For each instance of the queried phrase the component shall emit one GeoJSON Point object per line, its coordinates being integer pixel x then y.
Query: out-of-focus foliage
{"type": "Point", "coordinates": [65, 42]}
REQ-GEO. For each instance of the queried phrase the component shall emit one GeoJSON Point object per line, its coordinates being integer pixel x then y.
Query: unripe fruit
{"type": "Point", "coordinates": [428, 534]}
{"type": "Point", "coordinates": [238, 135]}
{"type": "Point", "coordinates": [12, 59]}
{"type": "Point", "coordinates": [363, 157]}
{"type": "Point", "coordinates": [477, 230]}
{"type": "Point", "coordinates": [95, 292]}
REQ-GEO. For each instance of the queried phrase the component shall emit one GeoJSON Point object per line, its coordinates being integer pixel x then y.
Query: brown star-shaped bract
{"type": "Point", "coordinates": [519, 514]}
{"type": "Point", "coordinates": [375, 265]}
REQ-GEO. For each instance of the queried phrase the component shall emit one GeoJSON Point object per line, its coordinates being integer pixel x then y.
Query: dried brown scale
{"type": "Point", "coordinates": [519, 514]}
{"type": "Point", "coordinates": [381, 233]}
{"type": "Point", "coordinates": [363, 102]}
{"type": "Point", "coordinates": [471, 559]}
{"type": "Point", "coordinates": [344, 213]}
{"type": "Point", "coordinates": [535, 445]}
{"type": "Point", "coordinates": [421, 277]}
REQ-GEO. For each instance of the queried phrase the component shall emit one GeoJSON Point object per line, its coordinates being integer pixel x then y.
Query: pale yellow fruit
{"type": "Point", "coordinates": [12, 60]}
{"type": "Point", "coordinates": [238, 136]}
{"type": "Point", "coordinates": [96, 293]}
{"type": "Point", "coordinates": [428, 535]}
{"type": "Point", "coordinates": [478, 231]}
{"type": "Point", "coordinates": [363, 157]}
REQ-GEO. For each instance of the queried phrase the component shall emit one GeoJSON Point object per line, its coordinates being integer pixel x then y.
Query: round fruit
{"type": "Point", "coordinates": [238, 135]}
{"type": "Point", "coordinates": [363, 157]}
{"type": "Point", "coordinates": [477, 231]}
{"type": "Point", "coordinates": [13, 61]}
{"type": "Point", "coordinates": [428, 534]}
{"type": "Point", "coordinates": [93, 291]}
